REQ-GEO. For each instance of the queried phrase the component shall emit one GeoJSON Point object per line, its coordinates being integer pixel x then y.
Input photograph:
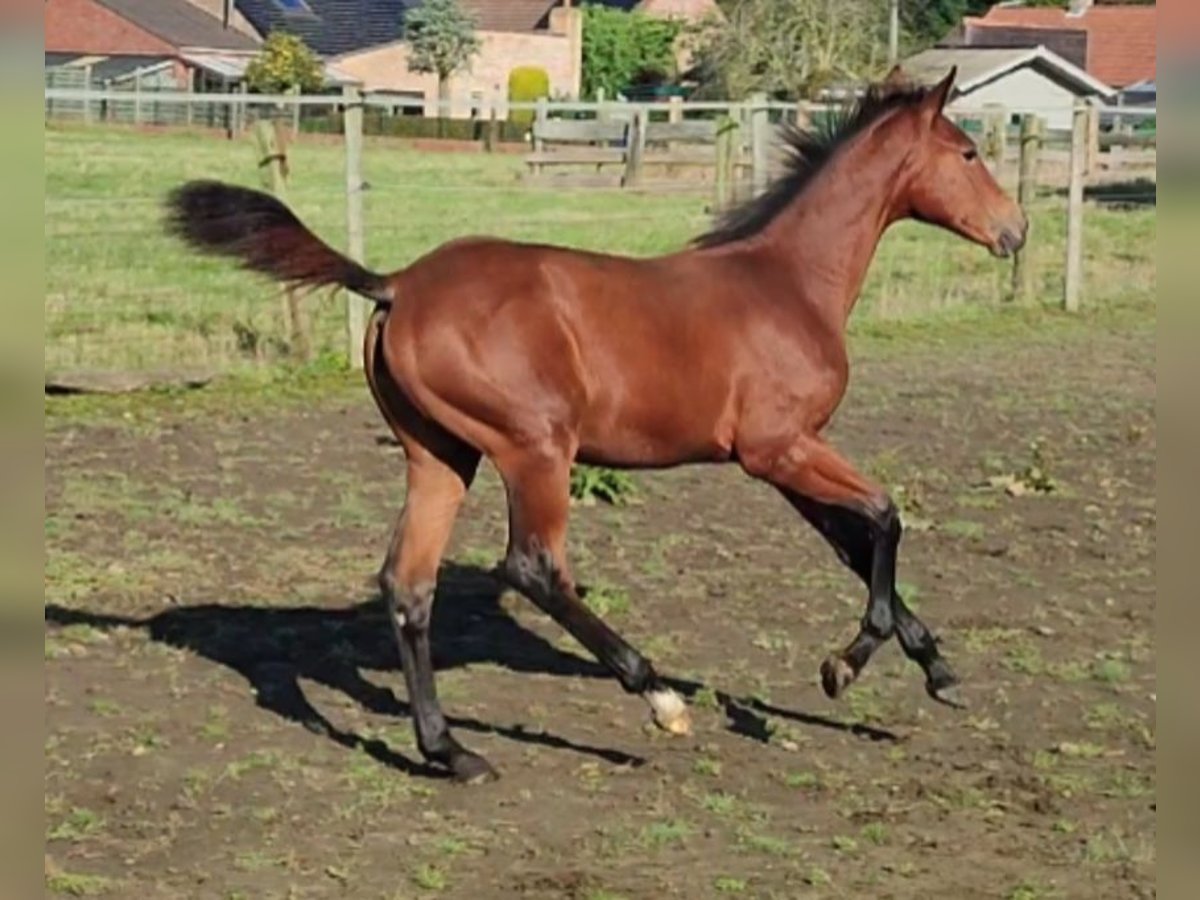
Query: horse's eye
{"type": "Point", "coordinates": [970, 154]}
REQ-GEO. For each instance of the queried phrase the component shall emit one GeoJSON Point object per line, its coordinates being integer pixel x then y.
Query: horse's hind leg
{"type": "Point", "coordinates": [863, 525]}
{"type": "Point", "coordinates": [440, 470]}
{"type": "Point", "coordinates": [536, 565]}
{"type": "Point", "coordinates": [408, 579]}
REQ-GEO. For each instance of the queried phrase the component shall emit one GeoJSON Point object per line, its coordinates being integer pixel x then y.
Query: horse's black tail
{"type": "Point", "coordinates": [266, 237]}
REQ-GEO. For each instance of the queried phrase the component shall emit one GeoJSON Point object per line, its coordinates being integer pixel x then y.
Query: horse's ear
{"type": "Point", "coordinates": [935, 100]}
{"type": "Point", "coordinates": [897, 80]}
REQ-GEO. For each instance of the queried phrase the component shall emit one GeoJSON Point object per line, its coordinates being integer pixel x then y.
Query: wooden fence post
{"type": "Point", "coordinates": [1074, 274]}
{"type": "Point", "coordinates": [356, 306]}
{"type": "Point", "coordinates": [636, 148]}
{"type": "Point", "coordinates": [295, 92]}
{"type": "Point", "coordinates": [803, 121]}
{"type": "Point", "coordinates": [727, 129]}
{"type": "Point", "coordinates": [540, 119]}
{"type": "Point", "coordinates": [995, 136]}
{"type": "Point", "coordinates": [492, 134]}
{"type": "Point", "coordinates": [1093, 140]}
{"type": "Point", "coordinates": [760, 140]}
{"type": "Point", "coordinates": [1031, 145]}
{"type": "Point", "coordinates": [273, 172]}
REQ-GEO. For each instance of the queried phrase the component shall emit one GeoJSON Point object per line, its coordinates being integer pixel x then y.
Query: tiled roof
{"type": "Point", "coordinates": [509, 15]}
{"type": "Point", "coordinates": [691, 10]}
{"type": "Point", "coordinates": [180, 24]}
{"type": "Point", "coordinates": [330, 27]}
{"type": "Point", "coordinates": [1122, 47]}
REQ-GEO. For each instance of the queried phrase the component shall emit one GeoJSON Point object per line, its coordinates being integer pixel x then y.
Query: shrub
{"type": "Point", "coordinates": [526, 84]}
{"type": "Point", "coordinates": [592, 483]}
{"type": "Point", "coordinates": [284, 63]}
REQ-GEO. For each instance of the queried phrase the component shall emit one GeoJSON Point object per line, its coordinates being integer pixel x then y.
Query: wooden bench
{"type": "Point", "coordinates": [562, 146]}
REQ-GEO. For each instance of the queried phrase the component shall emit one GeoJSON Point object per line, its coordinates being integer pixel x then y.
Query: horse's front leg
{"type": "Point", "coordinates": [862, 524]}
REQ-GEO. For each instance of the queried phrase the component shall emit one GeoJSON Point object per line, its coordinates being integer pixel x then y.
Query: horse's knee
{"type": "Point", "coordinates": [531, 570]}
{"type": "Point", "coordinates": [409, 605]}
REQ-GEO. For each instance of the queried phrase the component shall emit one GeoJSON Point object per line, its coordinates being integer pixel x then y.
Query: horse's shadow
{"type": "Point", "coordinates": [275, 647]}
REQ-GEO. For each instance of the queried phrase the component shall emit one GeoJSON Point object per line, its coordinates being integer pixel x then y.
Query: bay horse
{"type": "Point", "coordinates": [731, 350]}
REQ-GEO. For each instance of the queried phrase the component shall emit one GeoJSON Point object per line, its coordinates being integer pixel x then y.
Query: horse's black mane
{"type": "Point", "coordinates": [807, 150]}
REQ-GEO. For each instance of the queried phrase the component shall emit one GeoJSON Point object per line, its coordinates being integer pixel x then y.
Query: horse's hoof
{"type": "Point", "coordinates": [670, 712]}
{"type": "Point", "coordinates": [948, 694]}
{"type": "Point", "coordinates": [836, 676]}
{"type": "Point", "coordinates": [471, 768]}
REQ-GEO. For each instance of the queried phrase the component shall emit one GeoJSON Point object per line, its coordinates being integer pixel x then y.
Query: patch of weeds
{"type": "Point", "coordinates": [1111, 847]}
{"type": "Point", "coordinates": [216, 726]}
{"type": "Point", "coordinates": [606, 600]}
{"type": "Point", "coordinates": [766, 843]}
{"type": "Point", "coordinates": [477, 557]}
{"type": "Point", "coordinates": [817, 877]}
{"type": "Point", "coordinates": [1028, 890]}
{"type": "Point", "coordinates": [1112, 671]}
{"type": "Point", "coordinates": [83, 634]}
{"type": "Point", "coordinates": [1108, 717]}
{"type": "Point", "coordinates": [1064, 826]}
{"type": "Point", "coordinates": [144, 739]}
{"type": "Point", "coordinates": [1126, 785]}
{"type": "Point", "coordinates": [104, 707]}
{"type": "Point", "coordinates": [666, 832]}
{"type": "Point", "coordinates": [1033, 478]}
{"type": "Point", "coordinates": [80, 823]}
{"type": "Point", "coordinates": [429, 877]}
{"type": "Point", "coordinates": [954, 796]}
{"type": "Point", "coordinates": [977, 501]}
{"type": "Point", "coordinates": [1069, 671]}
{"type": "Point", "coordinates": [1079, 750]}
{"type": "Point", "coordinates": [865, 704]}
{"type": "Point", "coordinates": [452, 846]}
{"type": "Point", "coordinates": [1025, 658]}
{"type": "Point", "coordinates": [75, 884]}
{"type": "Point", "coordinates": [874, 833]}
{"type": "Point", "coordinates": [727, 884]}
{"type": "Point", "coordinates": [844, 844]}
{"type": "Point", "coordinates": [706, 698]}
{"type": "Point", "coordinates": [719, 803]}
{"type": "Point", "coordinates": [806, 780]}
{"type": "Point", "coordinates": [259, 759]}
{"type": "Point", "coordinates": [706, 765]}
{"type": "Point", "coordinates": [592, 483]}
{"type": "Point", "coordinates": [352, 510]}
{"type": "Point", "coordinates": [255, 861]}
{"type": "Point", "coordinates": [374, 783]}
{"type": "Point", "coordinates": [962, 528]}
{"type": "Point", "coordinates": [979, 640]}
{"type": "Point", "coordinates": [911, 594]}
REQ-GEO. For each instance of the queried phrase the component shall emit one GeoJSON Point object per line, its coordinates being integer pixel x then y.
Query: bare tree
{"type": "Point", "coordinates": [793, 47]}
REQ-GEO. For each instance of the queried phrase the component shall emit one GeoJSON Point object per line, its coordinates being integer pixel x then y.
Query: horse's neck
{"type": "Point", "coordinates": [829, 233]}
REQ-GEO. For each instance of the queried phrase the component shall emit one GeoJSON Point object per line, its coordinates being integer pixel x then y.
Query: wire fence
{"type": "Point", "coordinates": [121, 296]}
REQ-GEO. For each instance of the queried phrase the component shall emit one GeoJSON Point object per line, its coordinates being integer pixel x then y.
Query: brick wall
{"type": "Point", "coordinates": [386, 69]}
{"type": "Point", "coordinates": [83, 26]}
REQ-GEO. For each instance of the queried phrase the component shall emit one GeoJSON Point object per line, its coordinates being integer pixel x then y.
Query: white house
{"type": "Point", "coordinates": [1021, 79]}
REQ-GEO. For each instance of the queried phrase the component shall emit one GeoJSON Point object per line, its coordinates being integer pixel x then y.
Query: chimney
{"type": "Point", "coordinates": [1079, 7]}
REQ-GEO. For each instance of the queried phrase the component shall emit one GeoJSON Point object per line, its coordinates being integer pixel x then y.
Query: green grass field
{"type": "Point", "coordinates": [120, 295]}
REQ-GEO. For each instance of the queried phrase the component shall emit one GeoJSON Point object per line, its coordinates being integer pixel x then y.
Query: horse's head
{"type": "Point", "coordinates": [945, 181]}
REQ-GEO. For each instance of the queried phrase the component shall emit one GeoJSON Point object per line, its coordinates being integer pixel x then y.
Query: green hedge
{"type": "Point", "coordinates": [526, 84]}
{"type": "Point", "coordinates": [378, 122]}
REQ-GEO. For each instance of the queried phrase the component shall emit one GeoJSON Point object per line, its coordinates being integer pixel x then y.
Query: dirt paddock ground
{"type": "Point", "coordinates": [225, 716]}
